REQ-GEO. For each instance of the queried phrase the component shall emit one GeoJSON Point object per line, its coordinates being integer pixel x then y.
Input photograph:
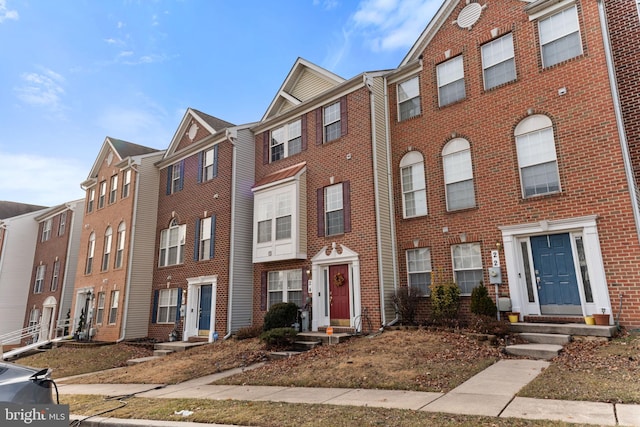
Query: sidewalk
{"type": "Point", "coordinates": [489, 393]}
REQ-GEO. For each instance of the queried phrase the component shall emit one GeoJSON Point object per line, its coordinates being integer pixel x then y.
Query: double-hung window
{"type": "Point", "coordinates": [209, 164]}
{"type": "Point", "coordinates": [55, 276]}
{"type": "Point", "coordinates": [100, 308]}
{"type": "Point", "coordinates": [467, 266]}
{"type": "Point", "coordinates": [46, 229]}
{"type": "Point", "coordinates": [450, 75]}
{"type": "Point", "coordinates": [419, 270]}
{"type": "Point", "coordinates": [560, 37]}
{"type": "Point", "coordinates": [458, 174]}
{"type": "Point", "coordinates": [126, 183]}
{"type": "Point", "coordinates": [334, 205]}
{"type": "Point", "coordinates": [113, 189]}
{"type": "Point", "coordinates": [102, 195]}
{"type": "Point", "coordinates": [120, 240]}
{"type": "Point", "coordinates": [264, 218]}
{"type": "Point", "coordinates": [167, 302]}
{"type": "Point", "coordinates": [172, 244]}
{"type": "Point", "coordinates": [175, 177]}
{"type": "Point", "coordinates": [280, 208]}
{"type": "Point", "coordinates": [107, 249]}
{"type": "Point", "coordinates": [91, 199]}
{"type": "Point", "coordinates": [537, 160]}
{"type": "Point", "coordinates": [205, 238]}
{"type": "Point", "coordinates": [91, 248]}
{"type": "Point", "coordinates": [331, 122]}
{"type": "Point", "coordinates": [40, 270]}
{"type": "Point", "coordinates": [286, 140]}
{"type": "Point", "coordinates": [113, 311]}
{"type": "Point", "coordinates": [414, 192]}
{"type": "Point", "coordinates": [62, 224]}
{"type": "Point", "coordinates": [498, 62]}
{"type": "Point", "coordinates": [408, 99]}
{"type": "Point", "coordinates": [284, 286]}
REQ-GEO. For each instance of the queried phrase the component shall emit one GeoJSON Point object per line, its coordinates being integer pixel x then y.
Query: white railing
{"type": "Point", "coordinates": [17, 336]}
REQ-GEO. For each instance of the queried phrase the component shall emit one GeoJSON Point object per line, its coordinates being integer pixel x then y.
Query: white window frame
{"type": "Point", "coordinates": [204, 251]}
{"type": "Point", "coordinates": [287, 139]}
{"type": "Point", "coordinates": [113, 308]}
{"type": "Point", "coordinates": [536, 148]}
{"type": "Point", "coordinates": [208, 160]}
{"type": "Point", "coordinates": [498, 55]}
{"type": "Point", "coordinates": [113, 189]}
{"type": "Point", "coordinates": [120, 242]}
{"type": "Point", "coordinates": [126, 183]}
{"type": "Point", "coordinates": [176, 172]}
{"type": "Point", "coordinates": [62, 224]}
{"type": "Point", "coordinates": [331, 124]}
{"type": "Point", "coordinates": [178, 233]}
{"type": "Point", "coordinates": [568, 26]}
{"type": "Point", "coordinates": [100, 308]}
{"type": "Point", "coordinates": [91, 199]}
{"type": "Point", "coordinates": [419, 263]}
{"type": "Point", "coordinates": [106, 255]}
{"type": "Point", "coordinates": [46, 229]}
{"type": "Point", "coordinates": [55, 276]}
{"type": "Point", "coordinates": [458, 172]}
{"type": "Point", "coordinates": [409, 97]}
{"type": "Point", "coordinates": [414, 190]}
{"type": "Point", "coordinates": [286, 284]}
{"type": "Point", "coordinates": [34, 318]}
{"type": "Point", "coordinates": [466, 259]}
{"type": "Point", "coordinates": [333, 204]}
{"type": "Point", "coordinates": [103, 194]}
{"type": "Point", "coordinates": [39, 283]}
{"type": "Point", "coordinates": [275, 217]}
{"type": "Point", "coordinates": [449, 73]}
{"type": "Point", "coordinates": [167, 302]}
{"type": "Point", "coordinates": [91, 248]}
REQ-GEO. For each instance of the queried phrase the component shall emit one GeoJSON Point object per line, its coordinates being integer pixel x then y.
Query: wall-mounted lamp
{"type": "Point", "coordinates": [498, 245]}
{"type": "Point", "coordinates": [308, 274]}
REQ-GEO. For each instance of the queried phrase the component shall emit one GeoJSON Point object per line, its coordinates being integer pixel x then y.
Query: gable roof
{"type": "Point", "coordinates": [11, 209]}
{"type": "Point", "coordinates": [304, 81]}
{"type": "Point", "coordinates": [280, 175]}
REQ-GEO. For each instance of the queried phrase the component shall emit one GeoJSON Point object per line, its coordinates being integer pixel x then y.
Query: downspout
{"type": "Point", "coordinates": [618, 112]}
{"type": "Point", "coordinates": [132, 238]}
{"type": "Point", "coordinates": [234, 178]}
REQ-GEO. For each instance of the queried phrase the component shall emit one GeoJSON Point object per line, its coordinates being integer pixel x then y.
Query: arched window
{"type": "Point", "coordinates": [537, 160]}
{"type": "Point", "coordinates": [120, 244]}
{"type": "Point", "coordinates": [458, 174]}
{"type": "Point", "coordinates": [91, 248]}
{"type": "Point", "coordinates": [107, 249]}
{"type": "Point", "coordinates": [172, 244]}
{"type": "Point", "coordinates": [414, 188]}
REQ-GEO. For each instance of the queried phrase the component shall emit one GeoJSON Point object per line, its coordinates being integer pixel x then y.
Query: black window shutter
{"type": "Point", "coordinates": [343, 116]}
{"type": "Point", "coordinates": [320, 207]}
{"type": "Point", "coordinates": [265, 148]}
{"type": "Point", "coordinates": [196, 241]}
{"type": "Point", "coordinates": [215, 161]}
{"type": "Point", "coordinates": [154, 312]}
{"type": "Point", "coordinates": [200, 163]}
{"type": "Point", "coordinates": [212, 242]}
{"type": "Point", "coordinates": [181, 175]}
{"type": "Point", "coordinates": [346, 205]}
{"type": "Point", "coordinates": [263, 290]}
{"type": "Point", "coordinates": [169, 176]}
{"type": "Point", "coordinates": [303, 126]}
{"type": "Point", "coordinates": [319, 127]}
{"type": "Point", "coordinates": [179, 303]}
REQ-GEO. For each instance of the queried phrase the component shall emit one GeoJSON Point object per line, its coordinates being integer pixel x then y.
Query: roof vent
{"type": "Point", "coordinates": [469, 15]}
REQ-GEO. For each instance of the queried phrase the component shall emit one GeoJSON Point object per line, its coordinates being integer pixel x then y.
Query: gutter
{"type": "Point", "coordinates": [234, 180]}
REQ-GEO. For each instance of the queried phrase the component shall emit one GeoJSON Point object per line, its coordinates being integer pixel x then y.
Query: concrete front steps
{"type": "Point", "coordinates": [164, 348]}
{"type": "Point", "coordinates": [308, 340]}
{"type": "Point", "coordinates": [546, 340]}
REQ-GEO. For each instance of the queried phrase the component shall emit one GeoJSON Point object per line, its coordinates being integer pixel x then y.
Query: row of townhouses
{"type": "Point", "coordinates": [503, 149]}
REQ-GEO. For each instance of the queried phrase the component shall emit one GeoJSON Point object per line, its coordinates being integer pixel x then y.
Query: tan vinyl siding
{"type": "Point", "coordinates": [310, 85]}
{"type": "Point", "coordinates": [302, 213]}
{"type": "Point", "coordinates": [142, 250]}
{"type": "Point", "coordinates": [68, 283]}
{"type": "Point", "coordinates": [241, 304]}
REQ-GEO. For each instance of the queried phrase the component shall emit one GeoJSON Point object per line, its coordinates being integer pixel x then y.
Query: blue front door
{"type": "Point", "coordinates": [555, 274]}
{"type": "Point", "coordinates": [204, 319]}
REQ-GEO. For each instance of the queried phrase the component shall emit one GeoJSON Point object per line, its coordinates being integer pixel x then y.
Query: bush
{"type": "Point", "coordinates": [406, 300]}
{"type": "Point", "coordinates": [489, 325]}
{"type": "Point", "coordinates": [481, 302]}
{"type": "Point", "coordinates": [280, 315]}
{"type": "Point", "coordinates": [248, 332]}
{"type": "Point", "coordinates": [279, 337]}
{"type": "Point", "coordinates": [445, 301]}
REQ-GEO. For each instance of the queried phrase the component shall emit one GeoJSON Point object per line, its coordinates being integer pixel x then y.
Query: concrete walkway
{"type": "Point", "coordinates": [489, 393]}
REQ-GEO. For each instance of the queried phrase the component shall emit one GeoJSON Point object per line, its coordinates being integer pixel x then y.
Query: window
{"type": "Point", "coordinates": [264, 216]}
{"type": "Point", "coordinates": [282, 211]}
{"type": "Point", "coordinates": [113, 312]}
{"type": "Point", "coordinates": [103, 194]}
{"type": "Point", "coordinates": [331, 122]}
{"type": "Point", "coordinates": [414, 192]}
{"type": "Point", "coordinates": [458, 175]}
{"type": "Point", "coordinates": [560, 37]}
{"type": "Point", "coordinates": [46, 229]}
{"type": "Point", "coordinates": [208, 160]}
{"type": "Point", "coordinates": [54, 276]}
{"type": "Point", "coordinates": [537, 156]}
{"type": "Point", "coordinates": [172, 244]}
{"type": "Point", "coordinates": [34, 319]}
{"type": "Point", "coordinates": [334, 209]}
{"type": "Point", "coordinates": [91, 199]}
{"type": "Point", "coordinates": [450, 76]}
{"type": "Point", "coordinates": [113, 189]}
{"type": "Point", "coordinates": [286, 140]}
{"type": "Point", "coordinates": [175, 177]}
{"type": "Point", "coordinates": [205, 238]}
{"type": "Point", "coordinates": [284, 286]}
{"type": "Point", "coordinates": [37, 287]}
{"type": "Point", "coordinates": [63, 223]}
{"type": "Point", "coordinates": [167, 302]}
{"type": "Point", "coordinates": [498, 63]}
{"type": "Point", "coordinates": [408, 99]}
{"type": "Point", "coordinates": [107, 249]}
{"type": "Point", "coordinates": [120, 239]}
{"type": "Point", "coordinates": [638, 4]}
{"type": "Point", "coordinates": [126, 183]}
{"type": "Point", "coordinates": [90, 252]}
{"type": "Point", "coordinates": [419, 269]}
{"type": "Point", "coordinates": [100, 308]}
{"type": "Point", "coordinates": [467, 266]}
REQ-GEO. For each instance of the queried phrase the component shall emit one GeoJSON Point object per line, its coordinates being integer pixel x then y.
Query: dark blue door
{"type": "Point", "coordinates": [555, 273]}
{"type": "Point", "coordinates": [205, 308]}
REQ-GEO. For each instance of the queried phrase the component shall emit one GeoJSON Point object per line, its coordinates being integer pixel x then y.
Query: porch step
{"type": "Point", "coordinates": [305, 345]}
{"type": "Point", "coordinates": [574, 329]}
{"type": "Point", "coordinates": [132, 362]}
{"type": "Point", "coordinates": [177, 345]}
{"type": "Point", "coordinates": [276, 355]}
{"type": "Point", "coordinates": [557, 339]}
{"type": "Point", "coordinates": [553, 319]}
{"type": "Point", "coordinates": [322, 337]}
{"type": "Point", "coordinates": [160, 353]}
{"type": "Point", "coordinates": [535, 351]}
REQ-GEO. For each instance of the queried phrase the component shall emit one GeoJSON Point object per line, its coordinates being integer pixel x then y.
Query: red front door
{"type": "Point", "coordinates": [339, 295]}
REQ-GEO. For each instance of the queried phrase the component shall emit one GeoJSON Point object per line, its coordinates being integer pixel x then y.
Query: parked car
{"type": "Point", "coordinates": [22, 384]}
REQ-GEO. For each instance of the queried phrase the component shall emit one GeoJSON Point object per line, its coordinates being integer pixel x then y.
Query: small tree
{"type": "Point", "coordinates": [445, 299]}
{"type": "Point", "coordinates": [281, 315]}
{"type": "Point", "coordinates": [481, 302]}
{"type": "Point", "coordinates": [406, 300]}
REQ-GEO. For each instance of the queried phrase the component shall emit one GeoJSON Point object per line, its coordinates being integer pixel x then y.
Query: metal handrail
{"type": "Point", "coordinates": [20, 333]}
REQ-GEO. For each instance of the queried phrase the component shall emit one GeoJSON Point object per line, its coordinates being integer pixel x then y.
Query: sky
{"type": "Point", "coordinates": [74, 72]}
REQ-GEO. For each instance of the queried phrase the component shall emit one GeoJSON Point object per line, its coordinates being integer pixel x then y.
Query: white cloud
{"type": "Point", "coordinates": [5, 13]}
{"type": "Point", "coordinates": [42, 89]}
{"type": "Point", "coordinates": [326, 4]}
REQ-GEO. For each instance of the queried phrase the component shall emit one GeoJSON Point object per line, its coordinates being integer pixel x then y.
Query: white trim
{"type": "Point", "coordinates": [193, 306]}
{"type": "Point", "coordinates": [550, 10]}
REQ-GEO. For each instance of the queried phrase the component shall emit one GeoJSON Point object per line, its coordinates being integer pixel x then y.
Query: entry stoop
{"type": "Point", "coordinates": [535, 350]}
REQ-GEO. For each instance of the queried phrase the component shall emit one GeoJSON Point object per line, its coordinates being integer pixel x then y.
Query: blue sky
{"type": "Point", "coordinates": [74, 72]}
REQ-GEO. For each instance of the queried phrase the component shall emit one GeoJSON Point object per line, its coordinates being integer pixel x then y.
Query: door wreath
{"type": "Point", "coordinates": [338, 280]}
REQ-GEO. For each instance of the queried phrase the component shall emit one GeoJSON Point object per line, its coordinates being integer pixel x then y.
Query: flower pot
{"type": "Point", "coordinates": [589, 320]}
{"type": "Point", "coordinates": [601, 319]}
{"type": "Point", "coordinates": [513, 317]}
